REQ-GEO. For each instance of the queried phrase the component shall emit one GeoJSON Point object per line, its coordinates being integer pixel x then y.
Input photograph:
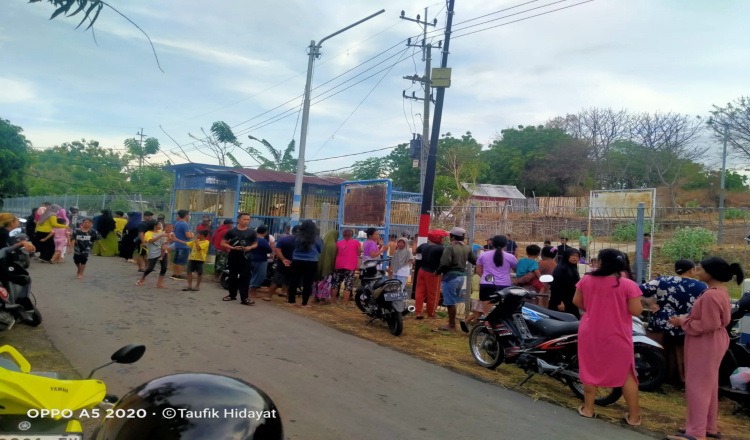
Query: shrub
{"type": "Point", "coordinates": [692, 204]}
{"type": "Point", "coordinates": [572, 234]}
{"type": "Point", "coordinates": [690, 243]}
{"type": "Point", "coordinates": [626, 231]}
{"type": "Point", "coordinates": [735, 214]}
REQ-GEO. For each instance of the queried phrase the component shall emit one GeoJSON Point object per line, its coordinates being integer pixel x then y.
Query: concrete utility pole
{"type": "Point", "coordinates": [140, 156]}
{"type": "Point", "coordinates": [314, 53]}
{"type": "Point", "coordinates": [720, 235]}
{"type": "Point", "coordinates": [427, 58]}
{"type": "Point", "coordinates": [429, 184]}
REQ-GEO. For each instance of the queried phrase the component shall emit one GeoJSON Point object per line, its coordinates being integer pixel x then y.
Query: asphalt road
{"type": "Point", "coordinates": [327, 384]}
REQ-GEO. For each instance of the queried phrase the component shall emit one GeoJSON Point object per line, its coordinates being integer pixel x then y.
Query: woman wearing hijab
{"type": "Point", "coordinates": [307, 249]}
{"type": "Point", "coordinates": [107, 246]}
{"type": "Point", "coordinates": [47, 221]}
{"type": "Point", "coordinates": [401, 262]}
{"type": "Point", "coordinates": [31, 227]}
{"type": "Point", "coordinates": [563, 288]}
{"type": "Point", "coordinates": [127, 247]}
{"type": "Point", "coordinates": [326, 267]}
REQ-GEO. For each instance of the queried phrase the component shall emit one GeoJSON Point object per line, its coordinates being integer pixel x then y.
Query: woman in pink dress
{"type": "Point", "coordinates": [706, 343]}
{"type": "Point", "coordinates": [605, 336]}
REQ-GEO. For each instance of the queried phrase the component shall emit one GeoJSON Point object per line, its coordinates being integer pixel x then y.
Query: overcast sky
{"type": "Point", "coordinates": [221, 60]}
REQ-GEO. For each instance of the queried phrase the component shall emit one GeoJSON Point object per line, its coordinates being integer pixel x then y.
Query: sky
{"type": "Point", "coordinates": [233, 60]}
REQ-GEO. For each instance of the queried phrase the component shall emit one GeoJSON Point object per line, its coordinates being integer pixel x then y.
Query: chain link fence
{"type": "Point", "coordinates": [90, 205]}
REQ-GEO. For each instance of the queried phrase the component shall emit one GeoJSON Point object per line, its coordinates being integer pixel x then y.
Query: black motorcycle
{"type": "Point", "coordinates": [15, 293]}
{"type": "Point", "coordinates": [545, 346]}
{"type": "Point", "coordinates": [381, 298]}
{"type": "Point", "coordinates": [738, 355]}
{"type": "Point", "coordinates": [270, 269]}
{"type": "Point", "coordinates": [21, 256]}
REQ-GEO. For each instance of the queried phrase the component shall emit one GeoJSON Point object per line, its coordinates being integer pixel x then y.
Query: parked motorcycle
{"type": "Point", "coordinates": [381, 298]}
{"type": "Point", "coordinates": [738, 355]}
{"type": "Point", "coordinates": [650, 363]}
{"type": "Point", "coordinates": [43, 406]}
{"type": "Point", "coordinates": [15, 293]}
{"type": "Point", "coordinates": [545, 346]}
{"type": "Point", "coordinates": [22, 256]}
{"type": "Point", "coordinates": [224, 277]}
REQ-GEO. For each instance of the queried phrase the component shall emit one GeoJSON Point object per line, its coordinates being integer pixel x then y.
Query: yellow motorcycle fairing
{"type": "Point", "coordinates": [21, 391]}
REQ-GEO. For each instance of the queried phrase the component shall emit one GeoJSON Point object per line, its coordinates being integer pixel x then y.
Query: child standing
{"type": "Point", "coordinates": [60, 237]}
{"type": "Point", "coordinates": [477, 309]}
{"type": "Point", "coordinates": [198, 250]}
{"type": "Point", "coordinates": [155, 240]}
{"type": "Point", "coordinates": [527, 269]}
{"type": "Point", "coordinates": [82, 241]}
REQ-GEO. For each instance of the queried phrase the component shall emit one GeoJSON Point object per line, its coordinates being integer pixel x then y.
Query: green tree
{"type": "Point", "coordinates": [370, 169]}
{"type": "Point", "coordinates": [221, 142]}
{"type": "Point", "coordinates": [460, 160]}
{"type": "Point", "coordinates": [401, 169]}
{"type": "Point", "coordinates": [150, 180]}
{"type": "Point", "coordinates": [151, 146]}
{"type": "Point", "coordinates": [15, 152]}
{"type": "Point", "coordinates": [281, 160]}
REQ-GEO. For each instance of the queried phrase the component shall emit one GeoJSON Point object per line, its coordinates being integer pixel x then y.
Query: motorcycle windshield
{"type": "Point", "coordinates": [20, 392]}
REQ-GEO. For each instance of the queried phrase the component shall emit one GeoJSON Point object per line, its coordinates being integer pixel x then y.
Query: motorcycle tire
{"type": "Point", "coordinates": [651, 366]}
{"type": "Point", "coordinates": [479, 338]}
{"type": "Point", "coordinates": [396, 323]}
{"type": "Point", "coordinates": [224, 281]}
{"type": "Point", "coordinates": [36, 318]}
{"type": "Point", "coordinates": [24, 260]}
{"type": "Point", "coordinates": [359, 301]}
{"type": "Point", "coordinates": [605, 398]}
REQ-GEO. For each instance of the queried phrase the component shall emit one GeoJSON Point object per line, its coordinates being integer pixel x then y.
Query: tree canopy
{"type": "Point", "coordinates": [15, 151]}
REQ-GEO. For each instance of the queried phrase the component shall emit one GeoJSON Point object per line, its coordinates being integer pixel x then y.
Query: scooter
{"type": "Point", "coordinates": [21, 256]}
{"type": "Point", "coordinates": [545, 346]}
{"type": "Point", "coordinates": [738, 355]}
{"type": "Point", "coordinates": [15, 293]}
{"type": "Point", "coordinates": [43, 406]}
{"type": "Point", "coordinates": [650, 363]}
{"type": "Point", "coordinates": [381, 298]}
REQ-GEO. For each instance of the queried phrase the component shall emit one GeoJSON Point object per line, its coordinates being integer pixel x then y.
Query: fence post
{"type": "Point", "coordinates": [639, 225]}
{"type": "Point", "coordinates": [104, 200]}
{"type": "Point", "coordinates": [469, 268]}
{"type": "Point", "coordinates": [324, 217]}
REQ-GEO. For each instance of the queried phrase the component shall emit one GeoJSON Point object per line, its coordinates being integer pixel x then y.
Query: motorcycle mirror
{"type": "Point", "coordinates": [546, 278]}
{"type": "Point", "coordinates": [15, 233]}
{"type": "Point", "coordinates": [129, 354]}
{"type": "Point", "coordinates": [490, 278]}
{"type": "Point", "coordinates": [126, 355]}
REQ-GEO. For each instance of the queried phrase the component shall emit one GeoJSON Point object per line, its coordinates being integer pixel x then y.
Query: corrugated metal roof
{"type": "Point", "coordinates": [494, 191]}
{"type": "Point", "coordinates": [282, 177]}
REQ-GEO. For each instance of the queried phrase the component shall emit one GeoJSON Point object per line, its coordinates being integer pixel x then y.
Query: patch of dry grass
{"type": "Point", "coordinates": [663, 412]}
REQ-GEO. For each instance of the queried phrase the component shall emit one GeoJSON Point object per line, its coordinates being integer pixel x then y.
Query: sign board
{"type": "Point", "coordinates": [365, 205]}
{"type": "Point", "coordinates": [441, 77]}
{"type": "Point", "coordinates": [621, 204]}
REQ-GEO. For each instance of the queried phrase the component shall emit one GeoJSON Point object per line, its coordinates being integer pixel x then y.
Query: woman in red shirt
{"type": "Point", "coordinates": [347, 259]}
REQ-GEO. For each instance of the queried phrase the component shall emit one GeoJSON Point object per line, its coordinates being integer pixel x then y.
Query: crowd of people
{"type": "Point", "coordinates": [689, 310]}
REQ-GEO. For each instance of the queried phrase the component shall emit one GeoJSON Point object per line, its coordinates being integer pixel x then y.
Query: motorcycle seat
{"type": "Point", "coordinates": [559, 316]}
{"type": "Point", "coordinates": [552, 328]}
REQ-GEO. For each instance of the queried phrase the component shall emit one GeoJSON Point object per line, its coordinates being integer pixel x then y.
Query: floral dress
{"type": "Point", "coordinates": [675, 296]}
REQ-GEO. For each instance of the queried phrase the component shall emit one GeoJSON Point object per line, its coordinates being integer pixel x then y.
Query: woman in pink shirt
{"type": "Point", "coordinates": [347, 258]}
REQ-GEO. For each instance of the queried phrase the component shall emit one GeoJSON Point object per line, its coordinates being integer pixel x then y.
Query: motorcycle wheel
{"type": "Point", "coordinates": [604, 396]}
{"type": "Point", "coordinates": [25, 260]}
{"type": "Point", "coordinates": [359, 301]}
{"type": "Point", "coordinates": [485, 348]}
{"type": "Point", "coordinates": [396, 323]}
{"type": "Point", "coordinates": [224, 281]}
{"type": "Point", "coordinates": [651, 366]}
{"type": "Point", "coordinates": [36, 318]}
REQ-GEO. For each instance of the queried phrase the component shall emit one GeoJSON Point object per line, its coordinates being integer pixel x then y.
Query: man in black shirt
{"type": "Point", "coordinates": [283, 252]}
{"type": "Point", "coordinates": [240, 241]}
{"type": "Point", "coordinates": [428, 283]}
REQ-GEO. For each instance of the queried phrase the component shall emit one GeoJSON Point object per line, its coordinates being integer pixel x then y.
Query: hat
{"type": "Point", "coordinates": [361, 235]}
{"type": "Point", "coordinates": [458, 232]}
{"type": "Point", "coordinates": [436, 235]}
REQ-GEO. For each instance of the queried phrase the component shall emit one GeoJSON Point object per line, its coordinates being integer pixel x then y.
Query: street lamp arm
{"type": "Point", "coordinates": [320, 43]}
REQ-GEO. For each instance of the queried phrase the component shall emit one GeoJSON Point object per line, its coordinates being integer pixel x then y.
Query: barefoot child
{"type": "Point", "coordinates": [198, 251]}
{"type": "Point", "coordinates": [81, 242]}
{"type": "Point", "coordinates": [155, 240]}
{"type": "Point", "coordinates": [60, 236]}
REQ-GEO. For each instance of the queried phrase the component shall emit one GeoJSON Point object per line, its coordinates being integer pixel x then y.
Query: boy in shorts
{"type": "Point", "coordinates": [81, 242]}
{"type": "Point", "coordinates": [198, 251]}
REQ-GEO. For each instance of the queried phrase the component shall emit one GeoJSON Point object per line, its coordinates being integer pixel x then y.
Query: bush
{"type": "Point", "coordinates": [572, 234]}
{"type": "Point", "coordinates": [689, 243]}
{"type": "Point", "coordinates": [626, 231]}
{"type": "Point", "coordinates": [692, 204]}
{"type": "Point", "coordinates": [735, 214]}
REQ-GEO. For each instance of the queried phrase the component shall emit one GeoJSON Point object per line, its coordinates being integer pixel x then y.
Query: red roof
{"type": "Point", "coordinates": [282, 177]}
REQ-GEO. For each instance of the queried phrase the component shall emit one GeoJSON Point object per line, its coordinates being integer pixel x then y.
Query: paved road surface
{"type": "Point", "coordinates": [327, 384]}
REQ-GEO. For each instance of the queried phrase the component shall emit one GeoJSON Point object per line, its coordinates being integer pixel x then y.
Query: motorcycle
{"type": "Point", "coordinates": [15, 293]}
{"type": "Point", "coordinates": [44, 406]}
{"type": "Point", "coordinates": [22, 256]}
{"type": "Point", "coordinates": [381, 298]}
{"type": "Point", "coordinates": [650, 363]}
{"type": "Point", "coordinates": [224, 277]}
{"type": "Point", "coordinates": [738, 355]}
{"type": "Point", "coordinates": [545, 346]}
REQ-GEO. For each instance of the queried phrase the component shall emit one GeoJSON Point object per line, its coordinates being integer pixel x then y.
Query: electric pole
{"type": "Point", "coordinates": [439, 81]}
{"type": "Point", "coordinates": [425, 80]}
{"type": "Point", "coordinates": [140, 156]}
{"type": "Point", "coordinates": [720, 235]}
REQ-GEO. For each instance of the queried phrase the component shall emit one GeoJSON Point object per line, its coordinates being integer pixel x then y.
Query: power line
{"type": "Point", "coordinates": [496, 12]}
{"type": "Point", "coordinates": [351, 154]}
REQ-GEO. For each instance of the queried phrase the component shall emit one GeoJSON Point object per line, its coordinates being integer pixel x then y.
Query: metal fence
{"type": "Point", "coordinates": [92, 204]}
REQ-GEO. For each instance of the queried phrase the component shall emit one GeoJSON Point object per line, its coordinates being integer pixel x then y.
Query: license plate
{"type": "Point", "coordinates": [396, 296]}
{"type": "Point", "coordinates": [32, 436]}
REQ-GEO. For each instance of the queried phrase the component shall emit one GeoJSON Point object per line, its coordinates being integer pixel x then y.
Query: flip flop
{"type": "Point", "coordinates": [464, 327]}
{"type": "Point", "coordinates": [443, 328]}
{"type": "Point", "coordinates": [229, 298]}
{"type": "Point", "coordinates": [248, 303]}
{"type": "Point", "coordinates": [680, 437]}
{"type": "Point", "coordinates": [708, 435]}
{"type": "Point", "coordinates": [580, 413]}
{"type": "Point", "coordinates": [187, 289]}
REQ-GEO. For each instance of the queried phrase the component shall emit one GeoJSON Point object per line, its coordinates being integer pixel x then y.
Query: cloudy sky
{"type": "Point", "coordinates": [233, 60]}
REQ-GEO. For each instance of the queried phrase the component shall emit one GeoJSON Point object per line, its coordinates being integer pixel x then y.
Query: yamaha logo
{"type": "Point", "coordinates": [24, 426]}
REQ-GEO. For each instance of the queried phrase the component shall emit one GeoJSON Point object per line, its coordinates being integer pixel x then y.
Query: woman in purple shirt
{"type": "Point", "coordinates": [498, 263]}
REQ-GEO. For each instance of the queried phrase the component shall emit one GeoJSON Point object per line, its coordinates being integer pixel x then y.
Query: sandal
{"type": "Point", "coordinates": [680, 437]}
{"type": "Point", "coordinates": [229, 298]}
{"type": "Point", "coordinates": [187, 289]}
{"type": "Point", "coordinates": [708, 434]}
{"type": "Point", "coordinates": [248, 303]}
{"type": "Point", "coordinates": [464, 326]}
{"type": "Point", "coordinates": [444, 328]}
{"type": "Point", "coordinates": [580, 413]}
{"type": "Point", "coordinates": [627, 420]}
